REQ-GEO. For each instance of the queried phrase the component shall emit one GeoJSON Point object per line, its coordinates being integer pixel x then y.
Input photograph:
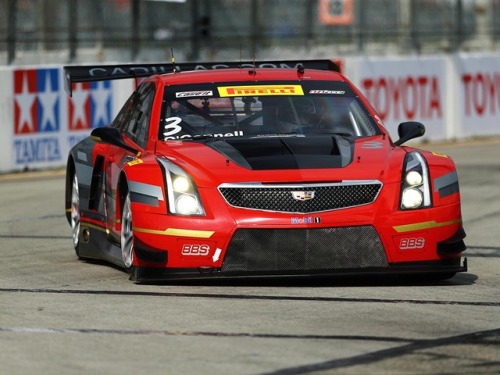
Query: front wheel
{"type": "Point", "coordinates": [75, 215]}
{"type": "Point", "coordinates": [127, 235]}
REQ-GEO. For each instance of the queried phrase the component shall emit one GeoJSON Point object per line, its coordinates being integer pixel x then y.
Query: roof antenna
{"type": "Point", "coordinates": [173, 59]}
{"type": "Point", "coordinates": [241, 66]}
{"type": "Point", "coordinates": [253, 71]}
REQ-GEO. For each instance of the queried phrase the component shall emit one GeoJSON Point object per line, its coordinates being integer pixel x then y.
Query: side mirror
{"type": "Point", "coordinates": [111, 136]}
{"type": "Point", "coordinates": [409, 130]}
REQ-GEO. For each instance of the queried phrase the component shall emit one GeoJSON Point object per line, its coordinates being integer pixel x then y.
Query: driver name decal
{"type": "Point", "coordinates": [173, 130]}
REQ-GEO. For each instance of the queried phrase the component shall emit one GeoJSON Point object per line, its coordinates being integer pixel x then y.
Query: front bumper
{"type": "Point", "coordinates": [345, 242]}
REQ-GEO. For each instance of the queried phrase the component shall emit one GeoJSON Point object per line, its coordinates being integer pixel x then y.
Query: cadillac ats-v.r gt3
{"type": "Point", "coordinates": [276, 168]}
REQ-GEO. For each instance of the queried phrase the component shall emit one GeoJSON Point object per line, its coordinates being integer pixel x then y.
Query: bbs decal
{"type": "Point", "coordinates": [412, 243]}
{"type": "Point", "coordinates": [195, 249]}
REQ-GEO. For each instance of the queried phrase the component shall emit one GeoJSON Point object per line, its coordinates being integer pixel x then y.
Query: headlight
{"type": "Point", "coordinates": [411, 198]}
{"type": "Point", "coordinates": [414, 178]}
{"type": "Point", "coordinates": [181, 184]}
{"type": "Point", "coordinates": [415, 186]}
{"type": "Point", "coordinates": [182, 194]}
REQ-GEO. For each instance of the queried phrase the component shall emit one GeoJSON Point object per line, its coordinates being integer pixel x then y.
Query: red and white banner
{"type": "Point", "coordinates": [479, 94]}
{"type": "Point", "coordinates": [405, 90]}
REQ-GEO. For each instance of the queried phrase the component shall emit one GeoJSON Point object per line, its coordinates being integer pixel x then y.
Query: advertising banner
{"type": "Point", "coordinates": [46, 123]}
{"type": "Point", "coordinates": [479, 94]}
{"type": "Point", "coordinates": [406, 89]}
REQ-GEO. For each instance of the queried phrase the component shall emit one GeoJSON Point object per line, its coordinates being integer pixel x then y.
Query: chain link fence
{"type": "Point", "coordinates": [78, 31]}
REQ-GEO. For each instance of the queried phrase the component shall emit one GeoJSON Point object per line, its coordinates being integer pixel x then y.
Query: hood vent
{"type": "Point", "coordinates": [293, 152]}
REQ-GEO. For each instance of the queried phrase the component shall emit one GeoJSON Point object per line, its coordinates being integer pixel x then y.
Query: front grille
{"type": "Point", "coordinates": [278, 250]}
{"type": "Point", "coordinates": [300, 199]}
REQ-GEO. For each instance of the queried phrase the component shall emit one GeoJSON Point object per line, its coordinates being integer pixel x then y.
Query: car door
{"type": "Point", "coordinates": [133, 123]}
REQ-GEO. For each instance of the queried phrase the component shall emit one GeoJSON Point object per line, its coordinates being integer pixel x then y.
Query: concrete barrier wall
{"type": "Point", "coordinates": [455, 96]}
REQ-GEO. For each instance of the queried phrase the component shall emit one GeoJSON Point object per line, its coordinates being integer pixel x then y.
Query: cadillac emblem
{"type": "Point", "coordinates": [302, 195]}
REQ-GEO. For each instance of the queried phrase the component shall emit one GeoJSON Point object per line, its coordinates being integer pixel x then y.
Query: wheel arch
{"type": "Point", "coordinates": [70, 173]}
{"type": "Point", "coordinates": [122, 190]}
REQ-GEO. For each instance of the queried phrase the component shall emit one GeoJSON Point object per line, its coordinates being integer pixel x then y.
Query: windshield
{"type": "Point", "coordinates": [226, 110]}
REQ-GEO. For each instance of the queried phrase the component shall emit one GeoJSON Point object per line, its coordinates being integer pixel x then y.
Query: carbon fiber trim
{"type": "Point", "coordinates": [276, 250]}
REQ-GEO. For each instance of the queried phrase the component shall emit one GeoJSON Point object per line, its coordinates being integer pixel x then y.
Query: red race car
{"type": "Point", "coordinates": [276, 168]}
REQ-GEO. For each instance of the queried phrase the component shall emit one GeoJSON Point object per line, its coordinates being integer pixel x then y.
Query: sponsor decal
{"type": "Point", "coordinates": [125, 71]}
{"type": "Point", "coordinates": [150, 69]}
{"type": "Point", "coordinates": [412, 243]}
{"type": "Point", "coordinates": [195, 249]}
{"type": "Point", "coordinates": [326, 92]}
{"type": "Point", "coordinates": [135, 162]}
{"type": "Point", "coordinates": [236, 133]}
{"type": "Point", "coordinates": [261, 90]}
{"type": "Point", "coordinates": [303, 195]}
{"type": "Point", "coordinates": [372, 145]}
{"type": "Point", "coordinates": [267, 64]}
{"type": "Point", "coordinates": [305, 220]}
{"type": "Point", "coordinates": [190, 94]}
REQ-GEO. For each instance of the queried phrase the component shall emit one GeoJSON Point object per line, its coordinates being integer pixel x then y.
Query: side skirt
{"type": "Point", "coordinates": [94, 243]}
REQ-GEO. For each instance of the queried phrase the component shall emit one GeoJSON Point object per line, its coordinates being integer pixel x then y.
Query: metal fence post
{"type": "Point", "coordinates": [361, 25]}
{"type": "Point", "coordinates": [72, 29]}
{"type": "Point", "coordinates": [460, 25]}
{"type": "Point", "coordinates": [195, 45]}
{"type": "Point", "coordinates": [135, 29]}
{"type": "Point", "coordinates": [415, 42]}
{"type": "Point", "coordinates": [11, 31]}
{"type": "Point", "coordinates": [255, 28]}
{"type": "Point", "coordinates": [309, 24]}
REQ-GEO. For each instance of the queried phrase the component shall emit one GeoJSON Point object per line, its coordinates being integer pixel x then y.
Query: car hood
{"type": "Point", "coordinates": [284, 158]}
{"type": "Point", "coordinates": [272, 153]}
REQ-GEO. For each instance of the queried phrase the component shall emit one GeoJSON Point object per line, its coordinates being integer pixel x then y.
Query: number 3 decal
{"type": "Point", "coordinates": [172, 126]}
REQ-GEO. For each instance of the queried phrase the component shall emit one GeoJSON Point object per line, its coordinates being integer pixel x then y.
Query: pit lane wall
{"type": "Point", "coordinates": [455, 96]}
